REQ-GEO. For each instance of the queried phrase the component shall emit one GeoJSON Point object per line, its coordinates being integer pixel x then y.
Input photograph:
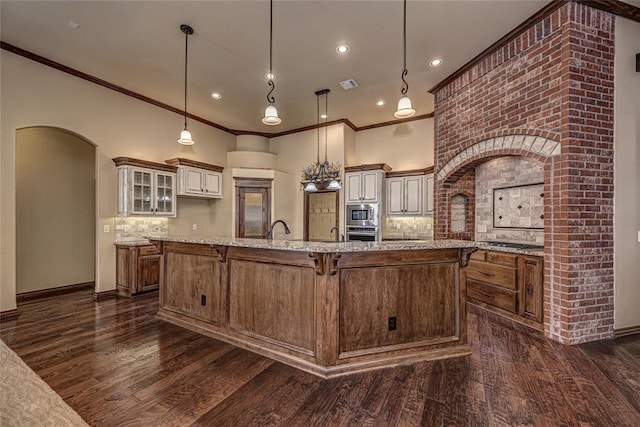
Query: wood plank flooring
{"type": "Point", "coordinates": [117, 365]}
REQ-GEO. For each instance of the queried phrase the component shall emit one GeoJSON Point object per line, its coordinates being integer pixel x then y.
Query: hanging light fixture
{"type": "Point", "coordinates": [323, 175]}
{"type": "Point", "coordinates": [404, 105]}
{"type": "Point", "coordinates": [185, 135]}
{"type": "Point", "coordinates": [271, 113]}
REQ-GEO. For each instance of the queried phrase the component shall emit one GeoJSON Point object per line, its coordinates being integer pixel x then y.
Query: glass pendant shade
{"type": "Point", "coordinates": [334, 185]}
{"type": "Point", "coordinates": [185, 138]}
{"type": "Point", "coordinates": [404, 108]}
{"type": "Point", "coordinates": [271, 116]}
{"type": "Point", "coordinates": [310, 187]}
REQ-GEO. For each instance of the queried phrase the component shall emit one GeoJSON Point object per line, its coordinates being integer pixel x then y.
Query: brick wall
{"type": "Point", "coordinates": [555, 82]}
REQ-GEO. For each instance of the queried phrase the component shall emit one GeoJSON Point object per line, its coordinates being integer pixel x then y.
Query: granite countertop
{"type": "Point", "coordinates": [305, 246]}
{"type": "Point", "coordinates": [132, 242]}
{"type": "Point", "coordinates": [532, 252]}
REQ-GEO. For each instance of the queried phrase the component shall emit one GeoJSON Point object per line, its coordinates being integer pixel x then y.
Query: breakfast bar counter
{"type": "Point", "coordinates": [327, 308]}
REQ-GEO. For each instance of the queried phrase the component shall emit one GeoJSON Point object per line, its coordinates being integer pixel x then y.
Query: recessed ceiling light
{"type": "Point", "coordinates": [73, 25]}
{"type": "Point", "coordinates": [380, 103]}
{"type": "Point", "coordinates": [269, 76]}
{"type": "Point", "coordinates": [323, 116]}
{"type": "Point", "coordinates": [342, 49]}
{"type": "Point", "coordinates": [216, 95]}
{"type": "Point", "coordinates": [436, 62]}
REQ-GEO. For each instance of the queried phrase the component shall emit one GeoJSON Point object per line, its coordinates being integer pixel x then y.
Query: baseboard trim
{"type": "Point", "coordinates": [101, 296]}
{"type": "Point", "coordinates": [623, 332]}
{"type": "Point", "coordinates": [52, 292]}
{"type": "Point", "coordinates": [9, 314]}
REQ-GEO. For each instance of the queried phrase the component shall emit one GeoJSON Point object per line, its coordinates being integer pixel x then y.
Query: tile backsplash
{"type": "Point", "coordinates": [410, 227]}
{"type": "Point", "coordinates": [507, 172]}
{"type": "Point", "coordinates": [133, 228]}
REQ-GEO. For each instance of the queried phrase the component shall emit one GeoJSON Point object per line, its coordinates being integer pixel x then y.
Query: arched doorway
{"type": "Point", "coordinates": [55, 210]}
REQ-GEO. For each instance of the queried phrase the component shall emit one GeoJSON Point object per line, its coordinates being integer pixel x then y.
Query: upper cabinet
{"type": "Point", "coordinates": [145, 188]}
{"type": "Point", "coordinates": [410, 193]}
{"type": "Point", "coordinates": [363, 184]}
{"type": "Point", "coordinates": [197, 179]}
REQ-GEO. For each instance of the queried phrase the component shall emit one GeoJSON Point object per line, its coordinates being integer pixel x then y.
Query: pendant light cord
{"type": "Point", "coordinates": [272, 85]}
{"type": "Point", "coordinates": [186, 57]}
{"type": "Point", "coordinates": [326, 115]}
{"type": "Point", "coordinates": [318, 128]}
{"type": "Point", "coordinates": [405, 85]}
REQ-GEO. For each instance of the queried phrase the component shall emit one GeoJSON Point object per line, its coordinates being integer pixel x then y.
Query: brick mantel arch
{"type": "Point", "coordinates": [532, 146]}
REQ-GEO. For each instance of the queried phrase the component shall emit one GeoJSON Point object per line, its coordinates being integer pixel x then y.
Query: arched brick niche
{"type": "Point", "coordinates": [551, 83]}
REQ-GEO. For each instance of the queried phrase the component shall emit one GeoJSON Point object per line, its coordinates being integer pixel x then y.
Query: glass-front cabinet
{"type": "Point", "coordinates": [145, 188]}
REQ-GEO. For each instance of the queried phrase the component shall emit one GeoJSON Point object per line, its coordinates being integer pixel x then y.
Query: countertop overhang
{"type": "Point", "coordinates": [326, 247]}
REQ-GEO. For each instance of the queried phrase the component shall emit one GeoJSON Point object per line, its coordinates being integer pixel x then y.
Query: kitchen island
{"type": "Point", "coordinates": [327, 308]}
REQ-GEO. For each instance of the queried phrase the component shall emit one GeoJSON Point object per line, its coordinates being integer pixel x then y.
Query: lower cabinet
{"type": "Point", "coordinates": [137, 269]}
{"type": "Point", "coordinates": [508, 284]}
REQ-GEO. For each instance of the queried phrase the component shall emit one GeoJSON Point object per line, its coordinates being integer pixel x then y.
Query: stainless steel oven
{"type": "Point", "coordinates": [362, 215]}
{"type": "Point", "coordinates": [363, 234]}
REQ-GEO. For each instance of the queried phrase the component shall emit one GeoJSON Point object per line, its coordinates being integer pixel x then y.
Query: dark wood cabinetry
{"type": "Point", "coordinates": [508, 284]}
{"type": "Point", "coordinates": [137, 269]}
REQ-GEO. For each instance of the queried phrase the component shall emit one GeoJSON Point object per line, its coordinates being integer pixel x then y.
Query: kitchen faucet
{"type": "Point", "coordinates": [337, 233]}
{"type": "Point", "coordinates": [286, 228]}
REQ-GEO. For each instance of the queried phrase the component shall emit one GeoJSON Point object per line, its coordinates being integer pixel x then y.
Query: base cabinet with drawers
{"type": "Point", "coordinates": [508, 284]}
{"type": "Point", "coordinates": [137, 269]}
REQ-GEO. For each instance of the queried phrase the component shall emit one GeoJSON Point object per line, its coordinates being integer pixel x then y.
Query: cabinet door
{"type": "Point", "coordinates": [213, 184]}
{"type": "Point", "coordinates": [165, 194]}
{"type": "Point", "coordinates": [370, 186]}
{"type": "Point", "coordinates": [142, 192]}
{"type": "Point", "coordinates": [531, 279]}
{"type": "Point", "coordinates": [395, 196]}
{"type": "Point", "coordinates": [193, 182]}
{"type": "Point", "coordinates": [413, 195]}
{"type": "Point", "coordinates": [428, 184]}
{"type": "Point", "coordinates": [148, 273]}
{"type": "Point", "coordinates": [354, 187]}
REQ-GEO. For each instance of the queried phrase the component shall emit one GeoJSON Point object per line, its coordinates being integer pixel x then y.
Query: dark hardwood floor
{"type": "Point", "coordinates": [116, 365]}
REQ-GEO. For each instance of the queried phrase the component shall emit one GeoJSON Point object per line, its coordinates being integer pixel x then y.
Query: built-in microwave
{"type": "Point", "coordinates": [362, 215]}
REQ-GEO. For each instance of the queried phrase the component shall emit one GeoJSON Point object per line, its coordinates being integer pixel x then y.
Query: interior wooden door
{"type": "Point", "coordinates": [253, 207]}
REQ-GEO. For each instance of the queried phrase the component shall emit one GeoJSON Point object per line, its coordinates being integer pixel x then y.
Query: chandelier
{"type": "Point", "coordinates": [325, 175]}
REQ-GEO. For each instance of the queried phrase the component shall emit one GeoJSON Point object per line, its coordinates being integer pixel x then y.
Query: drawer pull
{"type": "Point", "coordinates": [486, 273]}
{"type": "Point", "coordinates": [486, 294]}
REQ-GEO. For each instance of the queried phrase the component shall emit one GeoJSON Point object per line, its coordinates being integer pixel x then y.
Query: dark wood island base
{"type": "Point", "coordinates": [332, 310]}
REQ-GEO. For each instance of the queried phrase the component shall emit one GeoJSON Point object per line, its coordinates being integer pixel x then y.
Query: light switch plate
{"type": "Point", "coordinates": [106, 228]}
{"type": "Point", "coordinates": [194, 226]}
{"type": "Point", "coordinates": [638, 236]}
{"type": "Point", "coordinates": [482, 228]}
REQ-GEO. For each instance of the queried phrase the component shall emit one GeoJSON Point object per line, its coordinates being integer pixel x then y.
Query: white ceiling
{"type": "Point", "coordinates": [138, 45]}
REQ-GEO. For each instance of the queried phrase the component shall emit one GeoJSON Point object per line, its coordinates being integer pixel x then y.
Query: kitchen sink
{"type": "Point", "coordinates": [515, 245]}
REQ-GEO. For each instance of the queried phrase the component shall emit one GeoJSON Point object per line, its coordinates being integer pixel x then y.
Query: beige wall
{"type": "Point", "coordinates": [403, 147]}
{"type": "Point", "coordinates": [627, 176]}
{"type": "Point", "coordinates": [35, 95]}
{"type": "Point", "coordinates": [55, 210]}
{"type": "Point", "coordinates": [295, 152]}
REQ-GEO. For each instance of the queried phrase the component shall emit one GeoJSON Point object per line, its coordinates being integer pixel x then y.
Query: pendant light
{"type": "Point", "coordinates": [271, 113]}
{"type": "Point", "coordinates": [404, 105]}
{"type": "Point", "coordinates": [185, 135]}
{"type": "Point", "coordinates": [321, 175]}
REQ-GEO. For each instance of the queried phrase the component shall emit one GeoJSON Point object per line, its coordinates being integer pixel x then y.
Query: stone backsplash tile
{"type": "Point", "coordinates": [410, 227]}
{"type": "Point", "coordinates": [128, 228]}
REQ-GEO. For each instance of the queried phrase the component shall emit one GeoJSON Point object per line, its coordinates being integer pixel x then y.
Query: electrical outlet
{"type": "Point", "coordinates": [106, 228]}
{"type": "Point", "coordinates": [482, 228]}
{"type": "Point", "coordinates": [203, 300]}
{"type": "Point", "coordinates": [194, 227]}
{"type": "Point", "coordinates": [393, 325]}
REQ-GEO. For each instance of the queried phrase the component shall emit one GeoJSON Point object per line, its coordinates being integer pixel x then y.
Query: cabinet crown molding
{"type": "Point", "coordinates": [412, 172]}
{"type": "Point", "coordinates": [179, 161]}
{"type": "Point", "coordinates": [128, 161]}
{"type": "Point", "coordinates": [370, 167]}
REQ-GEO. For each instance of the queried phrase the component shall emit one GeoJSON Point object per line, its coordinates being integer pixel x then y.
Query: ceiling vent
{"type": "Point", "coordinates": [348, 84]}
